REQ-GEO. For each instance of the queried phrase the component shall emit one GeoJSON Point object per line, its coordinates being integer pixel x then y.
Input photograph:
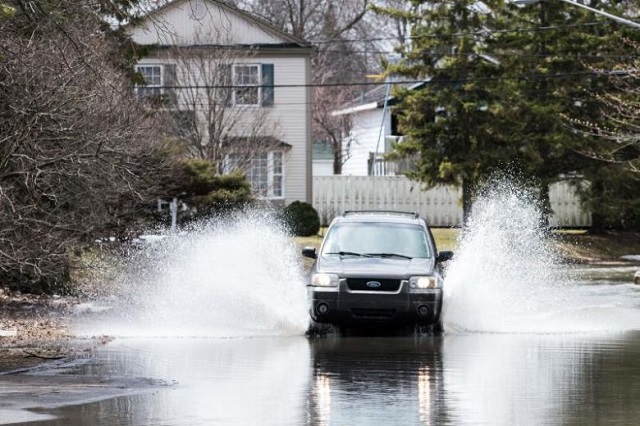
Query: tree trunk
{"type": "Point", "coordinates": [598, 222]}
{"type": "Point", "coordinates": [467, 200]}
{"type": "Point", "coordinates": [337, 158]}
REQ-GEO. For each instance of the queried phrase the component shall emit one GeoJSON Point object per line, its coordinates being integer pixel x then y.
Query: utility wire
{"type": "Point", "coordinates": [616, 73]}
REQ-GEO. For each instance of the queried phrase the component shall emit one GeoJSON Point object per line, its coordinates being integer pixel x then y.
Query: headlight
{"type": "Point", "coordinates": [325, 280]}
{"type": "Point", "coordinates": [423, 282]}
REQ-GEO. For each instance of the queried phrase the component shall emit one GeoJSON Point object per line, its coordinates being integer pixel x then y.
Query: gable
{"type": "Point", "coordinates": [210, 22]}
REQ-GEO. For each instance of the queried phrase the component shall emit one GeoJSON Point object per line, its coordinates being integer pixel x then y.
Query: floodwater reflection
{"type": "Point", "coordinates": [478, 379]}
{"type": "Point", "coordinates": [455, 379]}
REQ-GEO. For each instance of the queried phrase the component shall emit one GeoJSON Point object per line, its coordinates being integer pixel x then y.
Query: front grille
{"type": "Point", "coordinates": [360, 284]}
{"type": "Point", "coordinates": [373, 313]}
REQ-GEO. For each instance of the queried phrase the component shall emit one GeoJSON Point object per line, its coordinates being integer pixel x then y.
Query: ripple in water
{"type": "Point", "coordinates": [239, 278]}
{"type": "Point", "coordinates": [507, 278]}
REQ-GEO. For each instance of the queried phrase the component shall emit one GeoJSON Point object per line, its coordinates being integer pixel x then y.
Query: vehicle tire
{"type": "Point", "coordinates": [317, 329]}
{"type": "Point", "coordinates": [437, 329]}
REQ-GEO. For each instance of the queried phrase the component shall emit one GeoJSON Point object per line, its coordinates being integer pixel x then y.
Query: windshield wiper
{"type": "Point", "coordinates": [348, 253]}
{"type": "Point", "coordinates": [388, 255]}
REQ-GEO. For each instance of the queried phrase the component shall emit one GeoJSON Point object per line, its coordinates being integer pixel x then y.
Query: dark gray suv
{"type": "Point", "coordinates": [377, 269]}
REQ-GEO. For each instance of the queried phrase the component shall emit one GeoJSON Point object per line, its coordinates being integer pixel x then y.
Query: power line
{"type": "Point", "coordinates": [408, 82]}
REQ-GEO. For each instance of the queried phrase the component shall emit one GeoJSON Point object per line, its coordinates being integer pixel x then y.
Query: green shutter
{"type": "Point", "coordinates": [226, 91]}
{"type": "Point", "coordinates": [267, 85]}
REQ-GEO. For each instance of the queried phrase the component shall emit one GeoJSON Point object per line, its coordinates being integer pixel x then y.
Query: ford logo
{"type": "Point", "coordinates": [373, 284]}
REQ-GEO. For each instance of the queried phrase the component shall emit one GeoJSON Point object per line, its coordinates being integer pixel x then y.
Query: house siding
{"type": "Point", "coordinates": [175, 26]}
{"type": "Point", "coordinates": [322, 167]}
{"type": "Point", "coordinates": [290, 110]}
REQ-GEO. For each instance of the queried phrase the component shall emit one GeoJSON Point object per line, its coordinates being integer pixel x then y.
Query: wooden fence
{"type": "Point", "coordinates": [440, 206]}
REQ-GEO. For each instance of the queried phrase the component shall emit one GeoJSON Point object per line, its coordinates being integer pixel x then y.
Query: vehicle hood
{"type": "Point", "coordinates": [376, 267]}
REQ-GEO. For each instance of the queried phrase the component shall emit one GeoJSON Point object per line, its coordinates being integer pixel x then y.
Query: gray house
{"type": "Point", "coordinates": [265, 117]}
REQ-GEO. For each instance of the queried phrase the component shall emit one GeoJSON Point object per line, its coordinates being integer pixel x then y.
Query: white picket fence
{"type": "Point", "coordinates": [440, 206]}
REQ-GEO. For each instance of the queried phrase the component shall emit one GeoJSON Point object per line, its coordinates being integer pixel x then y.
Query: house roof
{"type": "Point", "coordinates": [288, 40]}
{"type": "Point", "coordinates": [322, 151]}
{"type": "Point", "coordinates": [270, 142]}
{"type": "Point", "coordinates": [375, 98]}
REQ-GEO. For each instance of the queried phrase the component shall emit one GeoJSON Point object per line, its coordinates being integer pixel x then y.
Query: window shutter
{"type": "Point", "coordinates": [226, 82]}
{"type": "Point", "coordinates": [170, 80]}
{"type": "Point", "coordinates": [267, 85]}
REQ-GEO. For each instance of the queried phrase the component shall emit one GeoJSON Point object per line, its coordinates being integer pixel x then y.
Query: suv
{"type": "Point", "coordinates": [377, 269]}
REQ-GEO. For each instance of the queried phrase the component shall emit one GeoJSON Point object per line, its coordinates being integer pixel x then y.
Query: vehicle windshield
{"type": "Point", "coordinates": [372, 239]}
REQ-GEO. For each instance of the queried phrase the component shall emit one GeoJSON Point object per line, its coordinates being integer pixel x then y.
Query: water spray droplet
{"type": "Point", "coordinates": [506, 276]}
{"type": "Point", "coordinates": [231, 278]}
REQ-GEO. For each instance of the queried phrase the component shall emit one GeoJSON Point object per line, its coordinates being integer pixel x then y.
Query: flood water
{"type": "Point", "coordinates": [210, 331]}
{"type": "Point", "coordinates": [473, 379]}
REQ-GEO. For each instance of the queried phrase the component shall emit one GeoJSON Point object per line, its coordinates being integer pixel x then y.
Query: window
{"type": "Point", "coordinates": [158, 83]}
{"type": "Point", "coordinates": [374, 237]}
{"type": "Point", "coordinates": [246, 79]}
{"type": "Point", "coordinates": [265, 172]}
{"type": "Point", "coordinates": [252, 84]}
{"type": "Point", "coordinates": [152, 75]}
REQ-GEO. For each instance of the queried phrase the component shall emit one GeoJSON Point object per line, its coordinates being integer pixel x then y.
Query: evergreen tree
{"type": "Point", "coordinates": [501, 81]}
{"type": "Point", "coordinates": [450, 122]}
{"type": "Point", "coordinates": [551, 55]}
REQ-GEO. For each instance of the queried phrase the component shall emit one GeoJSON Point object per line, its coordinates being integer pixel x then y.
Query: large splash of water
{"type": "Point", "coordinates": [506, 276]}
{"type": "Point", "coordinates": [231, 278]}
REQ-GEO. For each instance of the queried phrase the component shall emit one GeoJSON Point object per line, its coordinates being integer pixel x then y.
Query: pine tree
{"type": "Point", "coordinates": [450, 122]}
{"type": "Point", "coordinates": [502, 80]}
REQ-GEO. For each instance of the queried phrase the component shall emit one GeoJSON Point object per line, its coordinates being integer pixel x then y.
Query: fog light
{"type": "Point", "coordinates": [322, 308]}
{"type": "Point", "coordinates": [424, 311]}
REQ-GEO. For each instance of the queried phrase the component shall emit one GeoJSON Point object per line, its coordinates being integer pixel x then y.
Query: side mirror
{"type": "Point", "coordinates": [443, 256]}
{"type": "Point", "coordinates": [309, 252]}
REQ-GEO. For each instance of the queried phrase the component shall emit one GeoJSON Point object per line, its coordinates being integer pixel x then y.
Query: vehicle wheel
{"type": "Point", "coordinates": [340, 330]}
{"type": "Point", "coordinates": [317, 329]}
{"type": "Point", "coordinates": [437, 329]}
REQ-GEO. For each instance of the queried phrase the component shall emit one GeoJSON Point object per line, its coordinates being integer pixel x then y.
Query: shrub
{"type": "Point", "coordinates": [302, 219]}
{"type": "Point", "coordinates": [207, 192]}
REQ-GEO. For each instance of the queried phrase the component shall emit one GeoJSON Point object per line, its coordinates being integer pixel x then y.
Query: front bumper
{"type": "Point", "coordinates": [343, 307]}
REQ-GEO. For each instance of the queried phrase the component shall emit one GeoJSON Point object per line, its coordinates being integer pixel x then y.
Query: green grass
{"type": "Point", "coordinates": [446, 238]}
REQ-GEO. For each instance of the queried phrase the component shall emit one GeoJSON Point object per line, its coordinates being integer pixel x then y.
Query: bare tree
{"type": "Point", "coordinates": [219, 88]}
{"type": "Point", "coordinates": [346, 52]}
{"type": "Point", "coordinates": [77, 154]}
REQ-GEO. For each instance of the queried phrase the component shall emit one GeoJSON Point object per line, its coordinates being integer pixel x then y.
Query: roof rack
{"type": "Point", "coordinates": [414, 214]}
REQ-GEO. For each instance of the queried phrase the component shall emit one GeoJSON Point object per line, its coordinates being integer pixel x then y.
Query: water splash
{"type": "Point", "coordinates": [506, 276]}
{"type": "Point", "coordinates": [219, 279]}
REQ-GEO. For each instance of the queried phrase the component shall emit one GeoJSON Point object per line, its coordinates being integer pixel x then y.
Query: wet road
{"type": "Point", "coordinates": [455, 379]}
{"type": "Point", "coordinates": [205, 342]}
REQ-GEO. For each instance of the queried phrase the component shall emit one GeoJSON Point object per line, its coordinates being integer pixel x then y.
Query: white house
{"type": "Point", "coordinates": [268, 80]}
{"type": "Point", "coordinates": [373, 130]}
{"type": "Point", "coordinates": [322, 154]}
